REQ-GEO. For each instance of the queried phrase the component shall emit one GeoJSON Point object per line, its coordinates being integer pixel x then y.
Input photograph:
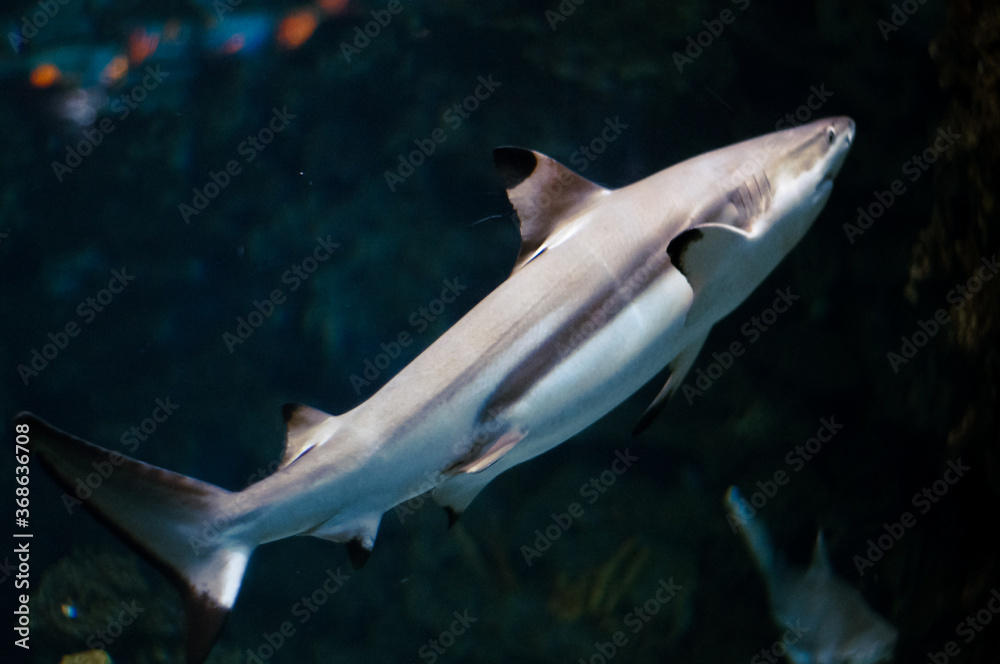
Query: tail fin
{"type": "Point", "coordinates": [163, 515]}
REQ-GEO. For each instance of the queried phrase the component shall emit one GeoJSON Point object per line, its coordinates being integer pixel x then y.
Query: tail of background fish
{"type": "Point", "coordinates": [178, 523]}
{"type": "Point", "coordinates": [756, 537]}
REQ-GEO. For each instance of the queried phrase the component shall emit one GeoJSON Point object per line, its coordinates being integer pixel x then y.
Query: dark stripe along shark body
{"type": "Point", "coordinates": [609, 287]}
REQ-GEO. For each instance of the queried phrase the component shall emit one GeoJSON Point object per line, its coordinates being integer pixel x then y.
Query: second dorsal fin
{"type": "Point", "coordinates": [546, 195]}
{"type": "Point", "coordinates": [305, 428]}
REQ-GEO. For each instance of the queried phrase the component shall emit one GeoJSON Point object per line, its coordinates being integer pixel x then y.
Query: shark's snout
{"type": "Point", "coordinates": [840, 135]}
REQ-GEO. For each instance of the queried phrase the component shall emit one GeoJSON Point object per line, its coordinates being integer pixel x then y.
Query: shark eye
{"type": "Point", "coordinates": [830, 135]}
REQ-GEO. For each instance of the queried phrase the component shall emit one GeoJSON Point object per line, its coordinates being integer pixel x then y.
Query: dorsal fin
{"type": "Point", "coordinates": [545, 194]}
{"type": "Point", "coordinates": [305, 428]}
{"type": "Point", "coordinates": [821, 557]}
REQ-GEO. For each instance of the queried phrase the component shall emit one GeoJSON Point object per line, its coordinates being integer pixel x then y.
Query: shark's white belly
{"type": "Point", "coordinates": [602, 368]}
{"type": "Point", "coordinates": [606, 358]}
{"type": "Point", "coordinates": [607, 367]}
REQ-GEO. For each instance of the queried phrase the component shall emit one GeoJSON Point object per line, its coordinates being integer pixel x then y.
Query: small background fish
{"type": "Point", "coordinates": [827, 620]}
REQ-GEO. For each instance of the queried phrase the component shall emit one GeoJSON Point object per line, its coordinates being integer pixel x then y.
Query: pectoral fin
{"type": "Point", "coordinates": [679, 368]}
{"type": "Point", "coordinates": [470, 475]}
{"type": "Point", "coordinates": [701, 252]}
{"type": "Point", "coordinates": [492, 452]}
{"type": "Point", "coordinates": [718, 261]}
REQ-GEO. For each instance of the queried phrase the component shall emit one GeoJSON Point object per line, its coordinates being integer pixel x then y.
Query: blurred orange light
{"type": "Point", "coordinates": [115, 70]}
{"type": "Point", "coordinates": [296, 28]}
{"type": "Point", "coordinates": [332, 7]}
{"type": "Point", "coordinates": [141, 45]}
{"type": "Point", "coordinates": [44, 75]}
{"type": "Point", "coordinates": [233, 45]}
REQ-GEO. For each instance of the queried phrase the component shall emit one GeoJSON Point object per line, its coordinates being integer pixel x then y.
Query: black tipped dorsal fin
{"type": "Point", "coordinates": [545, 194]}
{"type": "Point", "coordinates": [306, 428]}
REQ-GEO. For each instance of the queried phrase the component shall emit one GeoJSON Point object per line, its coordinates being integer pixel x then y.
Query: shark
{"type": "Point", "coordinates": [830, 622]}
{"type": "Point", "coordinates": [609, 288]}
